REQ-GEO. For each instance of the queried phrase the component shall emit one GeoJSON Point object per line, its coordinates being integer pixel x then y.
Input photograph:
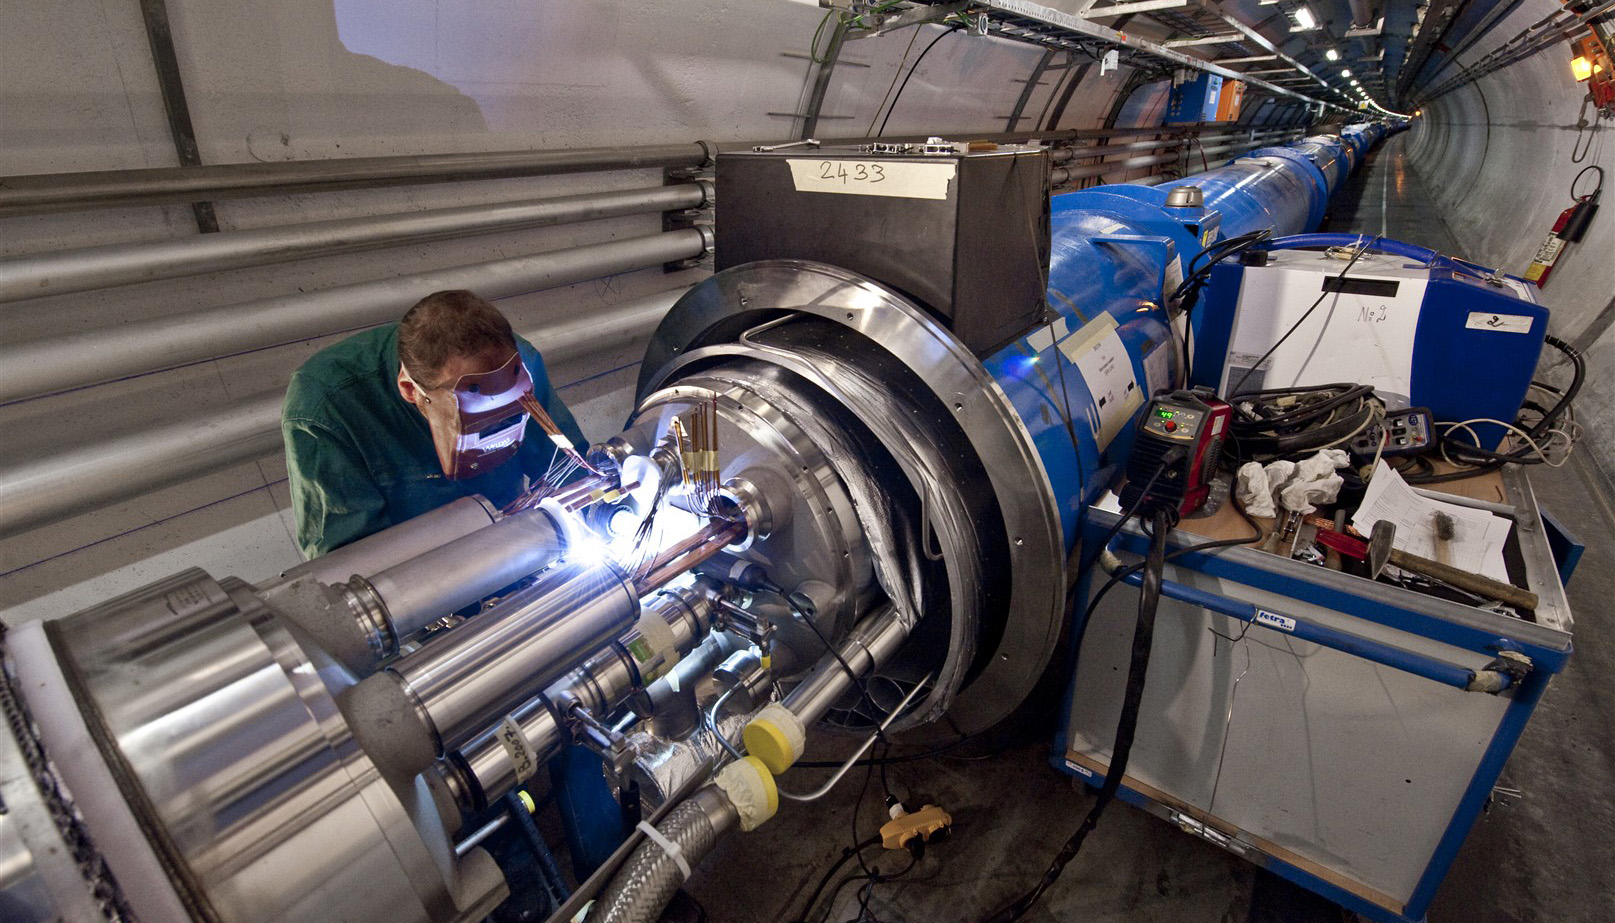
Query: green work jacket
{"type": "Point", "coordinates": [360, 458]}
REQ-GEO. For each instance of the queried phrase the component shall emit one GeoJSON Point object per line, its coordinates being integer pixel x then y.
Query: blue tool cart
{"type": "Point", "coordinates": [1320, 724]}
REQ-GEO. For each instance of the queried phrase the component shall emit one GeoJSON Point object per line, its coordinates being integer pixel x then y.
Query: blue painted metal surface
{"type": "Point", "coordinates": [1116, 251]}
{"type": "Point", "coordinates": [1330, 156]}
{"type": "Point", "coordinates": [1451, 339]}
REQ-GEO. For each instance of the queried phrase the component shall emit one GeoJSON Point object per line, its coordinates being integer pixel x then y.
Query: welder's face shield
{"type": "Point", "coordinates": [477, 422]}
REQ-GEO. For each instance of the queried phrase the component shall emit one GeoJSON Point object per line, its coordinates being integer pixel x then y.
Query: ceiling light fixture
{"type": "Point", "coordinates": [1304, 18]}
{"type": "Point", "coordinates": [1346, 72]}
{"type": "Point", "coordinates": [1332, 55]}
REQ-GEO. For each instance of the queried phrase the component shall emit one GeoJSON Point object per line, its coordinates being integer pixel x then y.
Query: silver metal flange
{"type": "Point", "coordinates": [721, 309]}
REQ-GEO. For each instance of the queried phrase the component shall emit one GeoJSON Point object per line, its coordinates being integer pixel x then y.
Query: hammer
{"type": "Point", "coordinates": [1377, 552]}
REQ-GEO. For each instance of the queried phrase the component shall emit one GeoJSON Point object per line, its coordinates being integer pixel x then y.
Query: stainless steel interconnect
{"type": "Point", "coordinates": [417, 592]}
{"type": "Point", "coordinates": [735, 330]}
{"type": "Point", "coordinates": [466, 681]}
{"type": "Point", "coordinates": [230, 750]}
{"type": "Point", "coordinates": [499, 760]}
{"type": "Point", "coordinates": [866, 649]}
{"type": "Point", "coordinates": [375, 553]}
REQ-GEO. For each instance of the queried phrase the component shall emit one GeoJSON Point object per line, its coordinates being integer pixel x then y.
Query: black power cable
{"type": "Point", "coordinates": [1485, 460]}
{"type": "Point", "coordinates": [904, 85]}
{"type": "Point", "coordinates": [1143, 637]}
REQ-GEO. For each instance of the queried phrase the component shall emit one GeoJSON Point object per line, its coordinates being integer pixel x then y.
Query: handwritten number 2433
{"type": "Point", "coordinates": [852, 172]}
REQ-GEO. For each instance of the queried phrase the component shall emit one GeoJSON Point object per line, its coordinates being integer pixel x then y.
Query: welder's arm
{"type": "Point", "coordinates": [334, 497]}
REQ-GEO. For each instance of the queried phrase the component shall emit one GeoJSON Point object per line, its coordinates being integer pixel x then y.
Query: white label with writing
{"type": "Point", "coordinates": [1274, 620]}
{"type": "Point", "coordinates": [903, 179]}
{"type": "Point", "coordinates": [1502, 323]}
{"type": "Point", "coordinates": [522, 759]}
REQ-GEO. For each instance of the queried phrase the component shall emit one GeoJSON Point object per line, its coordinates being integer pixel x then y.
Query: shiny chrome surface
{"type": "Point", "coordinates": [468, 679]}
{"type": "Point", "coordinates": [229, 747]}
{"type": "Point", "coordinates": [430, 586]}
{"type": "Point", "coordinates": [375, 553]}
{"type": "Point", "coordinates": [601, 684]}
{"type": "Point", "coordinates": [814, 542]}
{"type": "Point", "coordinates": [712, 316]}
{"type": "Point", "coordinates": [866, 649]}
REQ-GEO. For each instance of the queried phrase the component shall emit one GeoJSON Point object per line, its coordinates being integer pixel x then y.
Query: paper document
{"type": "Point", "coordinates": [1478, 536]}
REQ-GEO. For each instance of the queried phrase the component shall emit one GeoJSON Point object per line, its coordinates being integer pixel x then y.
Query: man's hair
{"type": "Point", "coordinates": [444, 325]}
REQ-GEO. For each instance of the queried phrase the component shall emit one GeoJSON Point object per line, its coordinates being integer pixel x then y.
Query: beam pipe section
{"type": "Point", "coordinates": [868, 647]}
{"type": "Point", "coordinates": [415, 593]}
{"type": "Point", "coordinates": [397, 544]}
{"type": "Point", "coordinates": [57, 364]}
{"type": "Point", "coordinates": [602, 684]}
{"type": "Point", "coordinates": [483, 669]}
{"type": "Point", "coordinates": [39, 275]}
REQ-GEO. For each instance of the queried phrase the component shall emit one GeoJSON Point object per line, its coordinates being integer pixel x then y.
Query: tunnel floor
{"type": "Point", "coordinates": [1544, 854]}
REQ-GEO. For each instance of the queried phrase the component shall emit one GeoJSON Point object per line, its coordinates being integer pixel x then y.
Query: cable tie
{"type": "Point", "coordinates": [668, 846]}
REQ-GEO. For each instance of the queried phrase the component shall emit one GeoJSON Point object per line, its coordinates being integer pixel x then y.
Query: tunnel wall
{"type": "Point", "coordinates": [1496, 155]}
{"type": "Point", "coordinates": [315, 79]}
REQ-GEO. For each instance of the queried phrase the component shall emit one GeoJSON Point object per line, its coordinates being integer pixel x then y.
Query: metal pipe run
{"type": "Point", "coordinates": [55, 192]}
{"type": "Point", "coordinates": [480, 671]}
{"type": "Point", "coordinates": [39, 275]}
{"type": "Point", "coordinates": [866, 648]}
{"type": "Point", "coordinates": [375, 553]}
{"type": "Point", "coordinates": [58, 192]}
{"type": "Point", "coordinates": [688, 555]}
{"type": "Point", "coordinates": [39, 489]}
{"type": "Point", "coordinates": [496, 762]}
{"type": "Point", "coordinates": [48, 488]}
{"type": "Point", "coordinates": [413, 594]}
{"type": "Point", "coordinates": [61, 363]}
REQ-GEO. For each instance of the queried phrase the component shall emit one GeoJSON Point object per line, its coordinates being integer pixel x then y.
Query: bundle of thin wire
{"type": "Point", "coordinates": [1288, 422]}
{"type": "Point", "coordinates": [564, 464]}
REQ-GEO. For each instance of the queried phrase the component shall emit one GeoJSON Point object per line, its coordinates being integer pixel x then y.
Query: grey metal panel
{"type": "Point", "coordinates": [1356, 767]}
{"type": "Point", "coordinates": [978, 259]}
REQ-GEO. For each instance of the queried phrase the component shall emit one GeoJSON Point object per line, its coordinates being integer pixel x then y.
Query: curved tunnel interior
{"type": "Point", "coordinates": [881, 320]}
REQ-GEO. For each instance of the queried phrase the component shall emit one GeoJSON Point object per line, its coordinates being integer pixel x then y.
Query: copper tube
{"type": "Point", "coordinates": [688, 555]}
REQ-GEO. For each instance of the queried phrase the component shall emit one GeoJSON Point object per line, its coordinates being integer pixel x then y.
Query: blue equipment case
{"type": "Point", "coordinates": [1314, 722]}
{"type": "Point", "coordinates": [1424, 330]}
{"type": "Point", "coordinates": [1194, 100]}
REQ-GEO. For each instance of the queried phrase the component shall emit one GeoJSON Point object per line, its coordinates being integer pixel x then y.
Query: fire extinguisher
{"type": "Point", "coordinates": [1569, 229]}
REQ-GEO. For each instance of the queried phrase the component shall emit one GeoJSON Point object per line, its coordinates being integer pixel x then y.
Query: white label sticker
{"type": "Point", "coordinates": [522, 759]}
{"type": "Point", "coordinates": [1158, 366]}
{"type": "Point", "coordinates": [1099, 354]}
{"type": "Point", "coordinates": [1274, 620]}
{"type": "Point", "coordinates": [1502, 323]}
{"type": "Point", "coordinates": [898, 178]}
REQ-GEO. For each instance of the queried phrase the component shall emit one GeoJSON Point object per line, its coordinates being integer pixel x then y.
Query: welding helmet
{"type": "Point", "coordinates": [477, 422]}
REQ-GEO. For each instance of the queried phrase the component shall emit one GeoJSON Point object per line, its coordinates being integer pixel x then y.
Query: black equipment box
{"type": "Point", "coordinates": [963, 232]}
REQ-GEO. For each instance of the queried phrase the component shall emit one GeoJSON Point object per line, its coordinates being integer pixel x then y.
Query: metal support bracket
{"type": "Point", "coordinates": [688, 217]}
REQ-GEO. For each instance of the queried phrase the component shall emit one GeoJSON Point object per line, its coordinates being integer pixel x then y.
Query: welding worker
{"type": "Point", "coordinates": [396, 421]}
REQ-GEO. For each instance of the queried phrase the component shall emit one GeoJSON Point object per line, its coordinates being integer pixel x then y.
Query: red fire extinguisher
{"type": "Point", "coordinates": [1569, 229]}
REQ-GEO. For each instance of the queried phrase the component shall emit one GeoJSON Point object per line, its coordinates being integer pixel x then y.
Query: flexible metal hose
{"type": "Point", "coordinates": [648, 879]}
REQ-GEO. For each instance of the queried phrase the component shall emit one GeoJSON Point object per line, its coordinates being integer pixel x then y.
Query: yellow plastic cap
{"type": "Point", "coordinates": [767, 743]}
{"type": "Point", "coordinates": [776, 737]}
